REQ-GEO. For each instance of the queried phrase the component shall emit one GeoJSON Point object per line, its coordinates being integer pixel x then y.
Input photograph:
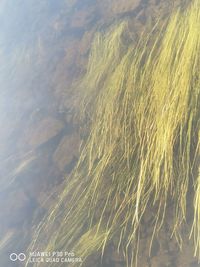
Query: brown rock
{"type": "Point", "coordinates": [117, 257]}
{"type": "Point", "coordinates": [118, 6]}
{"type": "Point", "coordinates": [43, 131]}
{"type": "Point", "coordinates": [86, 42]}
{"type": "Point", "coordinates": [66, 151]}
{"type": "Point", "coordinates": [82, 18]}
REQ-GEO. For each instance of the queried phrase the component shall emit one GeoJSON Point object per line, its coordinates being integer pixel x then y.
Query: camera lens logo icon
{"type": "Point", "coordinates": [19, 257]}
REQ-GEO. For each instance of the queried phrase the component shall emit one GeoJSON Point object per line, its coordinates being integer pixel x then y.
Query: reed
{"type": "Point", "coordinates": [141, 106]}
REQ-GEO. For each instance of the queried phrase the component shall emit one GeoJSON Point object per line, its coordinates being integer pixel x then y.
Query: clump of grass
{"type": "Point", "coordinates": [142, 107]}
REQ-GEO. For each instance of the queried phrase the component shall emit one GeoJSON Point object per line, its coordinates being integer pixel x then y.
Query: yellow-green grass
{"type": "Point", "coordinates": [141, 106]}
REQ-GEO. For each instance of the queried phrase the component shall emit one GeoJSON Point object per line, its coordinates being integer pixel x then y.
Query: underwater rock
{"type": "Point", "coordinates": [86, 41]}
{"type": "Point", "coordinates": [66, 151]}
{"type": "Point", "coordinates": [117, 257]}
{"type": "Point", "coordinates": [119, 6]}
{"type": "Point", "coordinates": [43, 131]}
{"type": "Point", "coordinates": [82, 18]}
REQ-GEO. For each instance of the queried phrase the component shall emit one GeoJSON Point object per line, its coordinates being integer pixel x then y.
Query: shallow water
{"type": "Point", "coordinates": [44, 47]}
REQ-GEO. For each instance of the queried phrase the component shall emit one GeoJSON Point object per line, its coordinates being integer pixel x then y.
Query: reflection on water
{"type": "Point", "coordinates": [44, 47]}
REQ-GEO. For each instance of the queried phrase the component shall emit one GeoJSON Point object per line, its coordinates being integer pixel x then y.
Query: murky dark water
{"type": "Point", "coordinates": [44, 47]}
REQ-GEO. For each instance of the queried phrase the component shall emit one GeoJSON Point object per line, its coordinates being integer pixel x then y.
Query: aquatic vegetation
{"type": "Point", "coordinates": [141, 106]}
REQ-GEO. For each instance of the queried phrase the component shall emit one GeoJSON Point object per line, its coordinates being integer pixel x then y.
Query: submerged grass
{"type": "Point", "coordinates": [141, 104]}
